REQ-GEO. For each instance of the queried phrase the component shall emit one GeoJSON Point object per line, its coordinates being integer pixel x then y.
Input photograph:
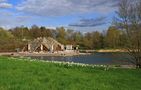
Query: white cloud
{"type": "Point", "coordinates": [65, 7]}
{"type": "Point", "coordinates": [10, 19]}
{"type": "Point", "coordinates": [5, 5]}
{"type": "Point", "coordinates": [3, 0]}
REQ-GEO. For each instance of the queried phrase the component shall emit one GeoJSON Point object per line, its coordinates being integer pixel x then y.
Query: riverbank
{"type": "Point", "coordinates": [41, 54]}
{"type": "Point", "coordinates": [81, 52]}
{"type": "Point", "coordinates": [103, 50]}
{"type": "Point", "coordinates": [111, 50]}
{"type": "Point", "coordinates": [21, 74]}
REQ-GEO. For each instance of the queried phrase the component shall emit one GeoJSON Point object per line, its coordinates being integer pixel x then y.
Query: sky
{"type": "Point", "coordinates": [80, 15]}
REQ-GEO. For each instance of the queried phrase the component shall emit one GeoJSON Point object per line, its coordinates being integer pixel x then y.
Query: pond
{"type": "Point", "coordinates": [96, 58]}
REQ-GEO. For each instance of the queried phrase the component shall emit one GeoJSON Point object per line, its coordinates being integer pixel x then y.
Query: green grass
{"type": "Point", "coordinates": [27, 75]}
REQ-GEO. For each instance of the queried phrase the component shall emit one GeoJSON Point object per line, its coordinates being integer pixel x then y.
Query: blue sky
{"type": "Point", "coordinates": [80, 15]}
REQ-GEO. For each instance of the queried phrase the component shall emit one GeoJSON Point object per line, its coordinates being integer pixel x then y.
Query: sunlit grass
{"type": "Point", "coordinates": [18, 74]}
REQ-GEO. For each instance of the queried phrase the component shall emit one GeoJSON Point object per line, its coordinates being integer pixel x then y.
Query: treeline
{"type": "Point", "coordinates": [17, 38]}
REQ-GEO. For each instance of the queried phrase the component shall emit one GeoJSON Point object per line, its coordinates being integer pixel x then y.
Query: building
{"type": "Point", "coordinates": [69, 47]}
{"type": "Point", "coordinates": [43, 45]}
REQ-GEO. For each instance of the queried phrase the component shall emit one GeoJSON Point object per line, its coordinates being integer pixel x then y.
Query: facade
{"type": "Point", "coordinates": [68, 47]}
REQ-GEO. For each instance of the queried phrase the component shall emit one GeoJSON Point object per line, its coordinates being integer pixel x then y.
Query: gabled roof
{"type": "Point", "coordinates": [47, 42]}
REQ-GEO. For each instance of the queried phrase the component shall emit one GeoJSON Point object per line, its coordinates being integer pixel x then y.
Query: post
{"type": "Point", "coordinates": [41, 47]}
{"type": "Point", "coordinates": [29, 47]}
{"type": "Point", "coordinates": [52, 48]}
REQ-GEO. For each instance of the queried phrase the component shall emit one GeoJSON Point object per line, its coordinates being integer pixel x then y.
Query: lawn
{"type": "Point", "coordinates": [17, 74]}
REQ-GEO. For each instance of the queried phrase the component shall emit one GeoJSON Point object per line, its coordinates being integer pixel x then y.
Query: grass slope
{"type": "Point", "coordinates": [27, 75]}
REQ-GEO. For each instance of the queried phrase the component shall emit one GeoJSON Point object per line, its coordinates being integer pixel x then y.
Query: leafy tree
{"type": "Point", "coordinates": [7, 41]}
{"type": "Point", "coordinates": [21, 32]}
{"type": "Point", "coordinates": [61, 35]}
{"type": "Point", "coordinates": [87, 41]}
{"type": "Point", "coordinates": [97, 40]}
{"type": "Point", "coordinates": [5, 34]}
{"type": "Point", "coordinates": [113, 37]}
{"type": "Point", "coordinates": [34, 32]}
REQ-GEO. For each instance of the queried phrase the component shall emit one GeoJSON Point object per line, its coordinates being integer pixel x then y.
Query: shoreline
{"type": "Point", "coordinates": [111, 50]}
{"type": "Point", "coordinates": [103, 51]}
{"type": "Point", "coordinates": [82, 52]}
{"type": "Point", "coordinates": [106, 66]}
{"type": "Point", "coordinates": [24, 54]}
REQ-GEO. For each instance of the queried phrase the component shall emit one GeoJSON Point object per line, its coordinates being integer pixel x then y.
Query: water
{"type": "Point", "coordinates": [96, 58]}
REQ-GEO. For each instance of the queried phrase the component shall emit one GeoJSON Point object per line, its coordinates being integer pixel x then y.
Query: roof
{"type": "Point", "coordinates": [47, 42]}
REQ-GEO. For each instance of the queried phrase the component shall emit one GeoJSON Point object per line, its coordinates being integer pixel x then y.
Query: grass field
{"type": "Point", "coordinates": [32, 75]}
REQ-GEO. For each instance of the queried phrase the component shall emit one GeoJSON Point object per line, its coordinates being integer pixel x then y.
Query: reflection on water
{"type": "Point", "coordinates": [96, 58]}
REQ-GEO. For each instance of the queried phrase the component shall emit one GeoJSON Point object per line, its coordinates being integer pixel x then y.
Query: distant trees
{"type": "Point", "coordinates": [61, 35]}
{"type": "Point", "coordinates": [129, 20]}
{"type": "Point", "coordinates": [77, 38]}
{"type": "Point", "coordinates": [113, 37]}
{"type": "Point", "coordinates": [5, 34]}
{"type": "Point", "coordinates": [20, 32]}
{"type": "Point", "coordinates": [87, 41]}
{"type": "Point", "coordinates": [90, 40]}
{"type": "Point", "coordinates": [98, 40]}
{"type": "Point", "coordinates": [6, 41]}
{"type": "Point", "coordinates": [93, 40]}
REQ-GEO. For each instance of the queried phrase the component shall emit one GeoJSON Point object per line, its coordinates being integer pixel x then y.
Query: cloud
{"type": "Point", "coordinates": [65, 7]}
{"type": "Point", "coordinates": [10, 19]}
{"type": "Point", "coordinates": [3, 0]}
{"type": "Point", "coordinates": [90, 22]}
{"type": "Point", "coordinates": [4, 4]}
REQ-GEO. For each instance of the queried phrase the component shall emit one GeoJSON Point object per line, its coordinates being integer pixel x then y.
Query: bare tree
{"type": "Point", "coordinates": [129, 20]}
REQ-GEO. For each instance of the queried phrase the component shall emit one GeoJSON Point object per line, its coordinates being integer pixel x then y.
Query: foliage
{"type": "Point", "coordinates": [5, 34]}
{"type": "Point", "coordinates": [89, 40]}
{"type": "Point", "coordinates": [6, 40]}
{"type": "Point", "coordinates": [112, 37]}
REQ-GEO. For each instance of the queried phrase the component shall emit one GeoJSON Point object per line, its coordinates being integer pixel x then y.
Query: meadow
{"type": "Point", "coordinates": [22, 74]}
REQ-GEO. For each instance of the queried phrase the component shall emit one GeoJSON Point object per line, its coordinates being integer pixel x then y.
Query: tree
{"type": "Point", "coordinates": [34, 32]}
{"type": "Point", "coordinates": [5, 34]}
{"type": "Point", "coordinates": [113, 37]}
{"type": "Point", "coordinates": [96, 40]}
{"type": "Point", "coordinates": [7, 41]}
{"type": "Point", "coordinates": [44, 32]}
{"type": "Point", "coordinates": [129, 20]}
{"type": "Point", "coordinates": [77, 37]}
{"type": "Point", "coordinates": [21, 32]}
{"type": "Point", "coordinates": [88, 40]}
{"type": "Point", "coordinates": [61, 35]}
